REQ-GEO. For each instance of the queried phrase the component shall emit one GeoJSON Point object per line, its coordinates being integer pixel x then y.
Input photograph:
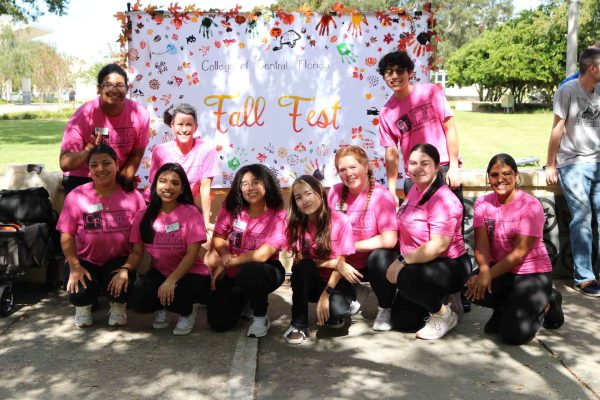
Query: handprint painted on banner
{"type": "Point", "coordinates": [251, 30]}
{"type": "Point", "coordinates": [355, 24]}
{"type": "Point", "coordinates": [346, 51]}
{"type": "Point", "coordinates": [205, 28]}
{"type": "Point", "coordinates": [323, 25]}
{"type": "Point", "coordinates": [237, 158]}
{"type": "Point", "coordinates": [313, 169]}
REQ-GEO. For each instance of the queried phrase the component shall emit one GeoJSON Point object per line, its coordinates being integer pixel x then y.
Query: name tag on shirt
{"type": "Point", "coordinates": [101, 131]}
{"type": "Point", "coordinates": [341, 207]}
{"type": "Point", "coordinates": [241, 225]}
{"type": "Point", "coordinates": [95, 208]}
{"type": "Point", "coordinates": [172, 228]}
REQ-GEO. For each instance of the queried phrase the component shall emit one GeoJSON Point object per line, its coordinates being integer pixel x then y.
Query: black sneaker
{"type": "Point", "coordinates": [554, 318]}
{"type": "Point", "coordinates": [493, 325]}
{"type": "Point", "coordinates": [466, 304]}
{"type": "Point", "coordinates": [589, 288]}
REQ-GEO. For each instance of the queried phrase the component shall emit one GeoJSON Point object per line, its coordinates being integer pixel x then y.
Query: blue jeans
{"type": "Point", "coordinates": [580, 184]}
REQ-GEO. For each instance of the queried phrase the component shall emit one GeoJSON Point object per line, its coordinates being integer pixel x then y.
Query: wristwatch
{"type": "Point", "coordinates": [329, 290]}
{"type": "Point", "coordinates": [401, 260]}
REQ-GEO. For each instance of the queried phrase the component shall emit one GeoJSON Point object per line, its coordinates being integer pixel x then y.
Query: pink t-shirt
{"type": "Point", "coordinates": [127, 131]}
{"type": "Point", "coordinates": [440, 215]}
{"type": "Point", "coordinates": [245, 233]}
{"type": "Point", "coordinates": [416, 119]}
{"type": "Point", "coordinates": [101, 225]}
{"type": "Point", "coordinates": [524, 216]}
{"type": "Point", "coordinates": [173, 232]}
{"type": "Point", "coordinates": [199, 163]}
{"type": "Point", "coordinates": [378, 218]}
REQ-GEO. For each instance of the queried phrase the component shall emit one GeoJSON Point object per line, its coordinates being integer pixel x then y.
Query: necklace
{"type": "Point", "coordinates": [109, 199]}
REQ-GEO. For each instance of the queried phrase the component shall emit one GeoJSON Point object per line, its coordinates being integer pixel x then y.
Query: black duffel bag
{"type": "Point", "coordinates": [26, 206]}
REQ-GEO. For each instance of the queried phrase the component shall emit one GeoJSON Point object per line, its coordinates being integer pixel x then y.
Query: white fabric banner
{"type": "Point", "coordinates": [282, 89]}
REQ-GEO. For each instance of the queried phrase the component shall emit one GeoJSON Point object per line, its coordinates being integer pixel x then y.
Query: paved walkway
{"type": "Point", "coordinates": [44, 357]}
{"type": "Point", "coordinates": [13, 108]}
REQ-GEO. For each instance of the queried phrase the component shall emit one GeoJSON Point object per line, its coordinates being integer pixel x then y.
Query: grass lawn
{"type": "Point", "coordinates": [31, 141]}
{"type": "Point", "coordinates": [481, 135]}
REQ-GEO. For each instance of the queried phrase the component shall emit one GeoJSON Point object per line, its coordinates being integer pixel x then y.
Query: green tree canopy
{"type": "Point", "coordinates": [23, 10]}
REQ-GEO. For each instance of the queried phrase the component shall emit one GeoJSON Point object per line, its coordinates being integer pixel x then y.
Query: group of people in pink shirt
{"type": "Point", "coordinates": [411, 253]}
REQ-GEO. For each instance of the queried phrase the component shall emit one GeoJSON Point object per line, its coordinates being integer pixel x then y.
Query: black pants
{"type": "Point", "coordinates": [190, 289]}
{"type": "Point", "coordinates": [307, 286]}
{"type": "Point", "coordinates": [520, 301]}
{"type": "Point", "coordinates": [71, 182]}
{"type": "Point", "coordinates": [377, 264]}
{"type": "Point", "coordinates": [101, 276]}
{"type": "Point", "coordinates": [421, 288]}
{"type": "Point", "coordinates": [253, 283]}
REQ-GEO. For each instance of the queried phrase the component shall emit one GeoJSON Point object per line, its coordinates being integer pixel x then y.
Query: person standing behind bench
{"type": "Point", "coordinates": [197, 157]}
{"type": "Point", "coordinates": [574, 156]}
{"type": "Point", "coordinates": [95, 225]}
{"type": "Point", "coordinates": [111, 119]}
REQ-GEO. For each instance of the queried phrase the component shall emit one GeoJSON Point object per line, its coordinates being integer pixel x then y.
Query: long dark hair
{"type": "Point", "coordinates": [234, 201]}
{"type": "Point", "coordinates": [298, 221]}
{"type": "Point", "coordinates": [438, 182]}
{"type": "Point", "coordinates": [153, 208]}
{"type": "Point", "coordinates": [103, 148]}
{"type": "Point", "coordinates": [505, 159]}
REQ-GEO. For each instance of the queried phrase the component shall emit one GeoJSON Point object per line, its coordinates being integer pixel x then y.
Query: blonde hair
{"type": "Point", "coordinates": [361, 157]}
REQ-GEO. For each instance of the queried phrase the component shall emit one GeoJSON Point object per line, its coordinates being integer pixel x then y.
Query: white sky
{"type": "Point", "coordinates": [90, 30]}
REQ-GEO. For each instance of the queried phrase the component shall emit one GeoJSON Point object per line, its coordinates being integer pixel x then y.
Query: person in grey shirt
{"type": "Point", "coordinates": [574, 156]}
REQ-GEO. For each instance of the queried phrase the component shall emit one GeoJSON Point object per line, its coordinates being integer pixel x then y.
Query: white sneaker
{"type": "Point", "coordinates": [437, 326]}
{"type": "Point", "coordinates": [294, 335]}
{"type": "Point", "coordinates": [383, 320]}
{"type": "Point", "coordinates": [117, 315]}
{"type": "Point", "coordinates": [259, 327]}
{"type": "Point", "coordinates": [83, 316]}
{"type": "Point", "coordinates": [354, 307]}
{"type": "Point", "coordinates": [185, 324]}
{"type": "Point", "coordinates": [161, 319]}
{"type": "Point", "coordinates": [247, 312]}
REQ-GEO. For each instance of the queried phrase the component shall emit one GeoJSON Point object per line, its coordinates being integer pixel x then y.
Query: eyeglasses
{"type": "Point", "coordinates": [398, 71]}
{"type": "Point", "coordinates": [252, 184]}
{"type": "Point", "coordinates": [107, 87]}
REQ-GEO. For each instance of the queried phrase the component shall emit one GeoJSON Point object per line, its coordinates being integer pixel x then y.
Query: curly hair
{"type": "Point", "coordinates": [395, 59]}
{"type": "Point", "coordinates": [153, 209]}
{"type": "Point", "coordinates": [234, 202]}
{"type": "Point", "coordinates": [361, 157]}
{"type": "Point", "coordinates": [182, 108]}
{"type": "Point", "coordinates": [298, 221]}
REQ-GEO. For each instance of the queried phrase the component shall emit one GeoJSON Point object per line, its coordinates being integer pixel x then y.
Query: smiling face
{"type": "Point", "coordinates": [103, 170]}
{"type": "Point", "coordinates": [422, 169]}
{"type": "Point", "coordinates": [353, 174]}
{"type": "Point", "coordinates": [253, 189]}
{"type": "Point", "coordinates": [113, 90]}
{"type": "Point", "coordinates": [397, 79]}
{"type": "Point", "coordinates": [503, 181]}
{"type": "Point", "coordinates": [184, 126]}
{"type": "Point", "coordinates": [307, 200]}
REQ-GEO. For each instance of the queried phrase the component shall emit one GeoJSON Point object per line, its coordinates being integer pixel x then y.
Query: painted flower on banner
{"type": "Point", "coordinates": [154, 84]}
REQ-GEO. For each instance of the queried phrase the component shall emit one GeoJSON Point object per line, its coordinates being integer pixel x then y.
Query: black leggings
{"type": "Point", "coordinates": [190, 289]}
{"type": "Point", "coordinates": [421, 288]}
{"type": "Point", "coordinates": [253, 283]}
{"type": "Point", "coordinates": [377, 264]}
{"type": "Point", "coordinates": [101, 276]}
{"type": "Point", "coordinates": [307, 286]}
{"type": "Point", "coordinates": [520, 301]}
